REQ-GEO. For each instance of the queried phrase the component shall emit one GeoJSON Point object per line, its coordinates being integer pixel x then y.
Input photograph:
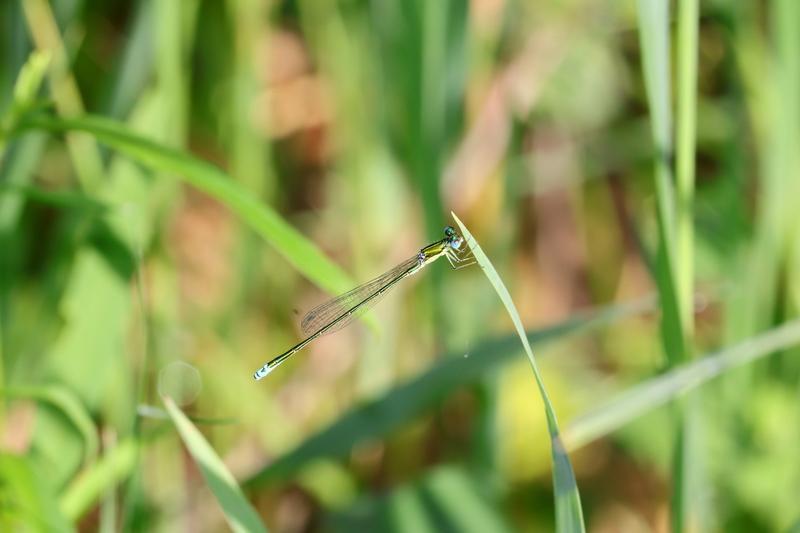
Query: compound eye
{"type": "Point", "coordinates": [456, 243]}
{"type": "Point", "coordinates": [449, 231]}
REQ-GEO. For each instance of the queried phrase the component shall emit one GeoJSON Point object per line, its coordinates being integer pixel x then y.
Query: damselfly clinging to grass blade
{"type": "Point", "coordinates": [342, 310]}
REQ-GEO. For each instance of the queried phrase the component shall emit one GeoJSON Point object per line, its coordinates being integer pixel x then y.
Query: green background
{"type": "Point", "coordinates": [180, 181]}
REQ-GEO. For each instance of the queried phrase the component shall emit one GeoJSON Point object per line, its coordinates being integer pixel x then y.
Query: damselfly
{"type": "Point", "coordinates": [342, 310]}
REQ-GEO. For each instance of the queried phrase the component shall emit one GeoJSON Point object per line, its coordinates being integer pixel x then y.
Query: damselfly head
{"type": "Point", "coordinates": [454, 240]}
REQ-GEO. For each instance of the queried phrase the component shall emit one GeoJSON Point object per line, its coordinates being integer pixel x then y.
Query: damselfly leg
{"type": "Point", "coordinates": [459, 259]}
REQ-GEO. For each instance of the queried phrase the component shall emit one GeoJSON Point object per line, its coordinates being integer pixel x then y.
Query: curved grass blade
{"type": "Point", "coordinates": [569, 514]}
{"type": "Point", "coordinates": [290, 243]}
{"type": "Point", "coordinates": [114, 466]}
{"type": "Point", "coordinates": [238, 512]}
{"type": "Point", "coordinates": [65, 401]}
{"type": "Point", "coordinates": [658, 390]}
{"type": "Point", "coordinates": [377, 418]}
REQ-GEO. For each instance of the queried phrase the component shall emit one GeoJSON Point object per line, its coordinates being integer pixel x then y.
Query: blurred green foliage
{"type": "Point", "coordinates": [179, 181]}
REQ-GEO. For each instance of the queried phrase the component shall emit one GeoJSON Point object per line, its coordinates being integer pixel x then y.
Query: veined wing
{"type": "Point", "coordinates": [329, 311]}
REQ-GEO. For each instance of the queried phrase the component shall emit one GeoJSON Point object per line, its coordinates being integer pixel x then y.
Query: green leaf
{"type": "Point", "coordinates": [658, 390]}
{"type": "Point", "coordinates": [238, 512]}
{"type": "Point", "coordinates": [569, 515]}
{"type": "Point", "coordinates": [290, 243]}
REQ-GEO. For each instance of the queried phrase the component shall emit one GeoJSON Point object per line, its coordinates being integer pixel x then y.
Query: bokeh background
{"type": "Point", "coordinates": [348, 130]}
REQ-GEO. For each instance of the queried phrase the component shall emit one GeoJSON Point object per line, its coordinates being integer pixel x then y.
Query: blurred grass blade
{"type": "Point", "coordinates": [658, 390]}
{"type": "Point", "coordinates": [84, 153]}
{"type": "Point", "coordinates": [26, 88]}
{"type": "Point", "coordinates": [688, 484]}
{"type": "Point", "coordinates": [375, 419]}
{"type": "Point", "coordinates": [457, 498]}
{"type": "Point", "coordinates": [685, 152]}
{"type": "Point", "coordinates": [133, 71]}
{"type": "Point", "coordinates": [569, 515]}
{"type": "Point", "coordinates": [27, 501]}
{"type": "Point", "coordinates": [66, 199]}
{"type": "Point", "coordinates": [654, 35]}
{"type": "Point", "coordinates": [290, 243]}
{"type": "Point", "coordinates": [65, 401]}
{"type": "Point", "coordinates": [238, 512]}
{"type": "Point", "coordinates": [151, 411]}
{"type": "Point", "coordinates": [84, 492]}
{"type": "Point", "coordinates": [406, 513]}
{"type": "Point", "coordinates": [673, 272]}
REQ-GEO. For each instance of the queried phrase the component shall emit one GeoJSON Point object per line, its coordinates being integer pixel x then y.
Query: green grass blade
{"type": "Point", "coordinates": [688, 18]}
{"type": "Point", "coordinates": [238, 512]}
{"type": "Point", "coordinates": [375, 419]}
{"type": "Point", "coordinates": [672, 272]}
{"type": "Point", "coordinates": [44, 31]}
{"type": "Point", "coordinates": [688, 470]}
{"type": "Point", "coordinates": [406, 512]}
{"type": "Point", "coordinates": [456, 497]}
{"type": "Point", "coordinates": [86, 489]}
{"type": "Point", "coordinates": [290, 243]}
{"type": "Point", "coordinates": [654, 35]}
{"type": "Point", "coordinates": [660, 389]}
{"type": "Point", "coordinates": [135, 68]}
{"type": "Point", "coordinates": [569, 515]}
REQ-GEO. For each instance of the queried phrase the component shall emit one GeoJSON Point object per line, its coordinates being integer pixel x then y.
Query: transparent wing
{"type": "Point", "coordinates": [326, 313]}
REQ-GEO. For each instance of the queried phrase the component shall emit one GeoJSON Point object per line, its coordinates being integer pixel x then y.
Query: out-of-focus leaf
{"type": "Point", "coordinates": [84, 355]}
{"type": "Point", "coordinates": [406, 512]}
{"type": "Point", "coordinates": [445, 499]}
{"type": "Point", "coordinates": [569, 514]}
{"type": "Point", "coordinates": [656, 391]}
{"type": "Point", "coordinates": [65, 401]}
{"type": "Point", "coordinates": [113, 249]}
{"type": "Point", "coordinates": [26, 501]}
{"type": "Point", "coordinates": [238, 512]}
{"type": "Point", "coordinates": [136, 67]}
{"type": "Point", "coordinates": [401, 404]}
{"type": "Point", "coordinates": [87, 488]}
{"type": "Point", "coordinates": [27, 85]}
{"type": "Point", "coordinates": [455, 494]}
{"type": "Point", "coordinates": [292, 245]}
{"type": "Point", "coordinates": [66, 199]}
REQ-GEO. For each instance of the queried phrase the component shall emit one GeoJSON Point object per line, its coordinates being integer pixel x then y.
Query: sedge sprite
{"type": "Point", "coordinates": [337, 313]}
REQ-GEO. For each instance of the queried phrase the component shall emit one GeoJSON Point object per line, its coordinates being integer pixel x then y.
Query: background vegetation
{"type": "Point", "coordinates": [181, 181]}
